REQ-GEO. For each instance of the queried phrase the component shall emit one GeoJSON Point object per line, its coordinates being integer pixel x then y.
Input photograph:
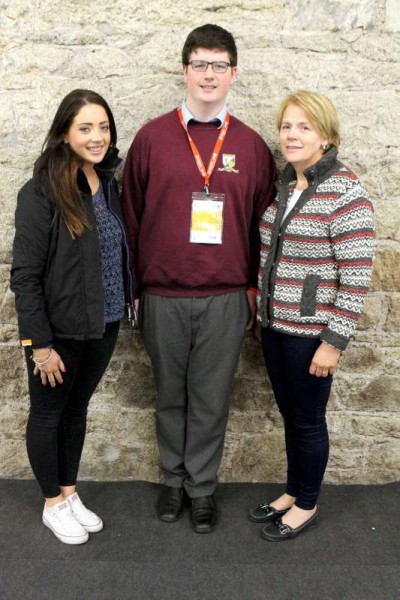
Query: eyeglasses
{"type": "Point", "coordinates": [200, 66]}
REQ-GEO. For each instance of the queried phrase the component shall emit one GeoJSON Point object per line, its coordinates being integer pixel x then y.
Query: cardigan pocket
{"type": "Point", "coordinates": [309, 295]}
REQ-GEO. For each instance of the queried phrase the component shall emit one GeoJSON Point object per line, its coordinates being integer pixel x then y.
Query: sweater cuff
{"type": "Point", "coordinates": [334, 339]}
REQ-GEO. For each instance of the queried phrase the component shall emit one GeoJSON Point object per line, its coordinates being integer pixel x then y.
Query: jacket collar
{"type": "Point", "coordinates": [315, 173]}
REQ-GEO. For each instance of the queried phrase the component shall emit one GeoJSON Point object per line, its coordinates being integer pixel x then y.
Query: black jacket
{"type": "Point", "coordinates": [57, 280]}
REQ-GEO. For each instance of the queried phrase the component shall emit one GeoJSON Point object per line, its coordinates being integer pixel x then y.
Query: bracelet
{"type": "Point", "coordinates": [334, 347]}
{"type": "Point", "coordinates": [39, 363]}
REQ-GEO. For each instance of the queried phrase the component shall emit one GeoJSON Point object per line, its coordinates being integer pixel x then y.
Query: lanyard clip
{"type": "Point", "coordinates": [206, 189]}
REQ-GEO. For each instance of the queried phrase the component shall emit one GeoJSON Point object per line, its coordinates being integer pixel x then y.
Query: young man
{"type": "Point", "coordinates": [196, 183]}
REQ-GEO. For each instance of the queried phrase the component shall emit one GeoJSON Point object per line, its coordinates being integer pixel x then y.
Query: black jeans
{"type": "Point", "coordinates": [57, 417]}
{"type": "Point", "coordinates": [302, 399]}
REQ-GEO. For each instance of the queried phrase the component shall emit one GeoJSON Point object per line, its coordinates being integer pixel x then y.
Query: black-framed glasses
{"type": "Point", "coordinates": [218, 66]}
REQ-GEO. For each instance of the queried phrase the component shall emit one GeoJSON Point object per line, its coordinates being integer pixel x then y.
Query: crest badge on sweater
{"type": "Point", "coordinates": [229, 162]}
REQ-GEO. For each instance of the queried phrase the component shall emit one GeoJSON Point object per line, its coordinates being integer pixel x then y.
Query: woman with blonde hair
{"type": "Point", "coordinates": [316, 259]}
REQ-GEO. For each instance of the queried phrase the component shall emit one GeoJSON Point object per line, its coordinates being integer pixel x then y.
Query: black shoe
{"type": "Point", "coordinates": [203, 515]}
{"type": "Point", "coordinates": [169, 504]}
{"type": "Point", "coordinates": [265, 513]}
{"type": "Point", "coordinates": [278, 531]}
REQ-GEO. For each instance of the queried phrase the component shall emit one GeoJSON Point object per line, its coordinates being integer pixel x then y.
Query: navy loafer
{"type": "Point", "coordinates": [278, 531]}
{"type": "Point", "coordinates": [263, 513]}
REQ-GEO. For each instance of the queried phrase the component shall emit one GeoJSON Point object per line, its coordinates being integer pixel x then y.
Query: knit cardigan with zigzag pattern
{"type": "Point", "coordinates": [316, 264]}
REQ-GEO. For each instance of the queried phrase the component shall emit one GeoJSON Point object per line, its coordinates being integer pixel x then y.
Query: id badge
{"type": "Point", "coordinates": [207, 218]}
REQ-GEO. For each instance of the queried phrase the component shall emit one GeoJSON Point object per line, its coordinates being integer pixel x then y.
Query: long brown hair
{"type": "Point", "coordinates": [58, 165]}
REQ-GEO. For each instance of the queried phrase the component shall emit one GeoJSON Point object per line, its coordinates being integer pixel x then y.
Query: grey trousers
{"type": "Point", "coordinates": [194, 345]}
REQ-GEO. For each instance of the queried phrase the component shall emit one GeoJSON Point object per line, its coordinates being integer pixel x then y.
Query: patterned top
{"type": "Point", "coordinates": [316, 265]}
{"type": "Point", "coordinates": [110, 237]}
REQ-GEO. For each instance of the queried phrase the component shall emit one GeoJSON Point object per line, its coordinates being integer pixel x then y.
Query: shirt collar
{"type": "Point", "coordinates": [187, 115]}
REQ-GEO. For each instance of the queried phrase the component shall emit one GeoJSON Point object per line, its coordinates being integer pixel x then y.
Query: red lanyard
{"type": "Point", "coordinates": [214, 156]}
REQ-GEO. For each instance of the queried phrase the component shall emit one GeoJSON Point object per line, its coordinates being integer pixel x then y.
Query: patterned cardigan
{"type": "Point", "coordinates": [316, 264]}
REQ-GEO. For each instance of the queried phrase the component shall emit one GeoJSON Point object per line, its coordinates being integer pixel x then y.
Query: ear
{"type": "Point", "coordinates": [234, 74]}
{"type": "Point", "coordinates": [184, 71]}
{"type": "Point", "coordinates": [65, 139]}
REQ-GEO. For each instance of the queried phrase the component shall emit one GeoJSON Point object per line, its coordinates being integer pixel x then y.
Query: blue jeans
{"type": "Point", "coordinates": [302, 399]}
{"type": "Point", "coordinates": [57, 418]}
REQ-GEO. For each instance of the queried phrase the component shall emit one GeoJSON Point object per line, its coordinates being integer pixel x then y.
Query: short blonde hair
{"type": "Point", "coordinates": [319, 109]}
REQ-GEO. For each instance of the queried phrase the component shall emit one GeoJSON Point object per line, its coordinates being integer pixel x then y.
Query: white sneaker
{"type": "Point", "coordinates": [88, 519]}
{"type": "Point", "coordinates": [61, 521]}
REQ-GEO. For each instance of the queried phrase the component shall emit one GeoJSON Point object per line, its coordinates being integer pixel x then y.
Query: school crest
{"type": "Point", "coordinates": [229, 162]}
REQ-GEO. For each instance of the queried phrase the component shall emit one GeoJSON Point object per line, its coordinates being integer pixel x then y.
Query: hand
{"type": "Point", "coordinates": [251, 300]}
{"type": "Point", "coordinates": [324, 361]}
{"type": "Point", "coordinates": [137, 305]}
{"type": "Point", "coordinates": [52, 369]}
{"type": "Point", "coordinates": [136, 308]}
{"type": "Point", "coordinates": [257, 331]}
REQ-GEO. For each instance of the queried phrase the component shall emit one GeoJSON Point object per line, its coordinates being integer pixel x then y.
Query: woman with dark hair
{"type": "Point", "coordinates": [315, 267]}
{"type": "Point", "coordinates": [71, 279]}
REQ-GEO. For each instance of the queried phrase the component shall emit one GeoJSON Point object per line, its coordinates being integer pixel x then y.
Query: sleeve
{"type": "Point", "coordinates": [133, 197]}
{"type": "Point", "coordinates": [33, 221]}
{"type": "Point", "coordinates": [263, 197]}
{"type": "Point", "coordinates": [352, 237]}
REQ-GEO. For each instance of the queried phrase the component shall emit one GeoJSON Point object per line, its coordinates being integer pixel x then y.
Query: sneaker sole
{"type": "Point", "coordinates": [75, 540]}
{"type": "Point", "coordinates": [93, 528]}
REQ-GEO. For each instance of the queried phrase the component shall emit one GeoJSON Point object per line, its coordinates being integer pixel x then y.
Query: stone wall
{"type": "Point", "coordinates": [129, 51]}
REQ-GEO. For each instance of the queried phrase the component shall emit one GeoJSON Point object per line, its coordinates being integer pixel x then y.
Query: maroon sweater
{"type": "Point", "coordinates": [159, 178]}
